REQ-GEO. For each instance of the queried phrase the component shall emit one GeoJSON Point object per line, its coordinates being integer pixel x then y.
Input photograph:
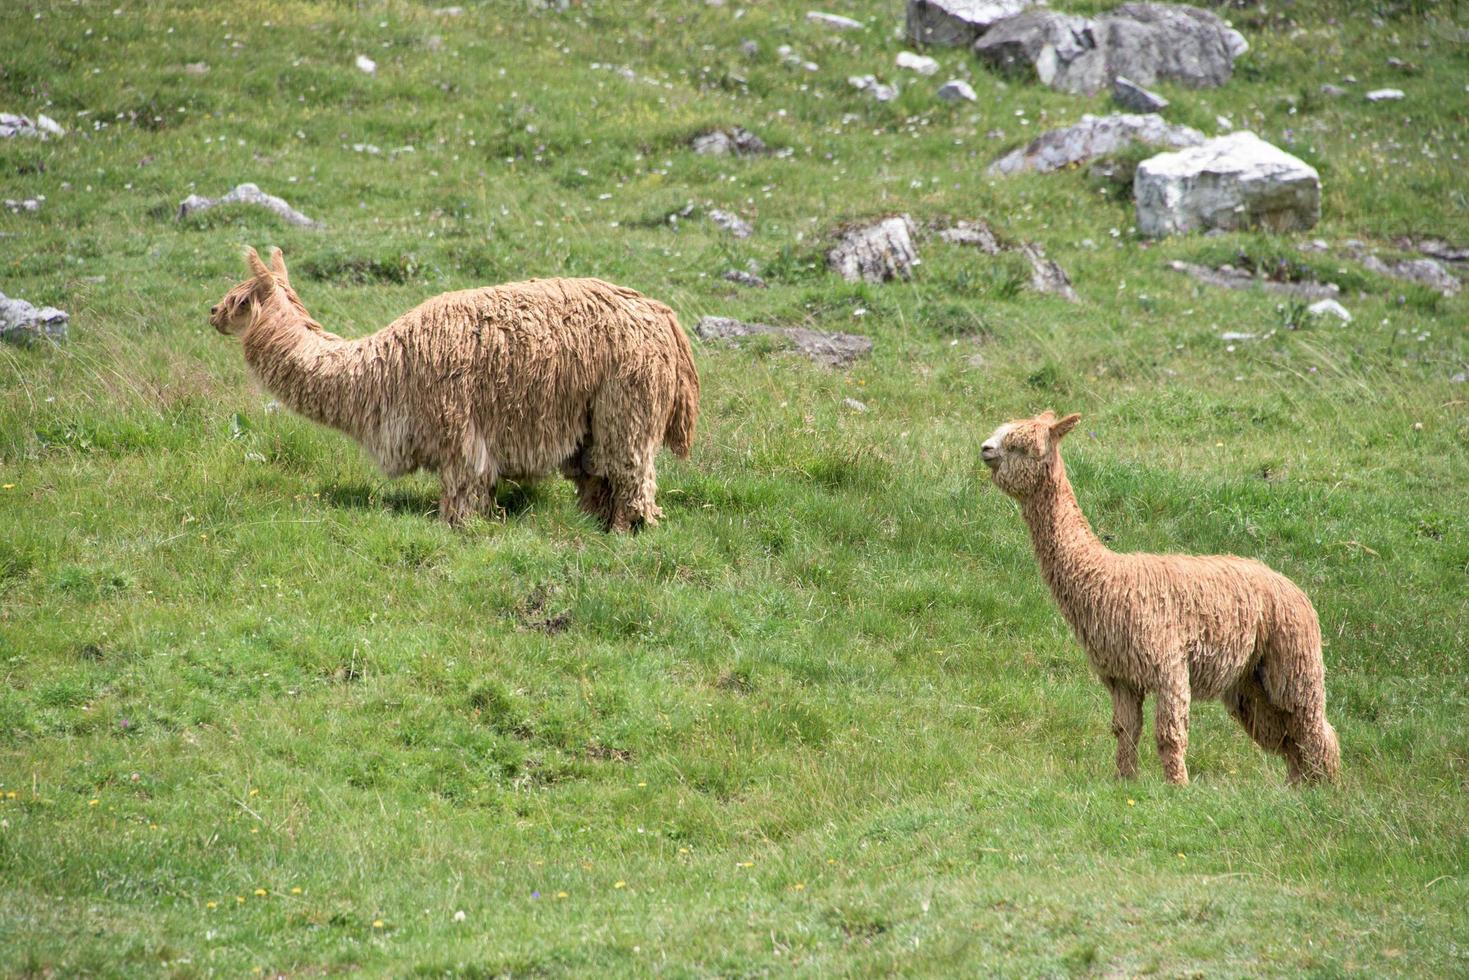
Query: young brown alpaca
{"type": "Point", "coordinates": [1176, 626]}
{"type": "Point", "coordinates": [515, 381]}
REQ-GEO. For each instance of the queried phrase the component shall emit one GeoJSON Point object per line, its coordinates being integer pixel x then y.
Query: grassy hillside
{"type": "Point", "coordinates": [260, 712]}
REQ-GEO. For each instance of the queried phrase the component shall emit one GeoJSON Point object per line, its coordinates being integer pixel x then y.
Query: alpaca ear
{"type": "Point", "coordinates": [1059, 429]}
{"type": "Point", "coordinates": [1047, 417]}
{"type": "Point", "coordinates": [257, 267]}
{"type": "Point", "coordinates": [278, 266]}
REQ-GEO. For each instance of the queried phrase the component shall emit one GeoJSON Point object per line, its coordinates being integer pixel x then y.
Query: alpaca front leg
{"type": "Point", "coordinates": [1127, 724]}
{"type": "Point", "coordinates": [1171, 722]}
{"type": "Point", "coordinates": [462, 496]}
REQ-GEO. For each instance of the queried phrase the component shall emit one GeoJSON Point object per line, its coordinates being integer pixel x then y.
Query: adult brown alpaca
{"type": "Point", "coordinates": [1175, 626]}
{"type": "Point", "coordinates": [515, 381]}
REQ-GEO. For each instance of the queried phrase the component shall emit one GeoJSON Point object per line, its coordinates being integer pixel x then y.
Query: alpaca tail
{"type": "Point", "coordinates": [679, 436]}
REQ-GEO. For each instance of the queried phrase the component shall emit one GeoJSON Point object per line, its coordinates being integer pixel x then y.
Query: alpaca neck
{"type": "Point", "coordinates": [307, 369]}
{"type": "Point", "coordinates": [1068, 552]}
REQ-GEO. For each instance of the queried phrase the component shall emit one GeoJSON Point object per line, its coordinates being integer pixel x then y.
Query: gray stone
{"type": "Point", "coordinates": [247, 194]}
{"type": "Point", "coordinates": [30, 204]}
{"type": "Point", "coordinates": [956, 90]}
{"type": "Point", "coordinates": [732, 223]}
{"type": "Point", "coordinates": [1132, 96]}
{"type": "Point", "coordinates": [921, 63]}
{"type": "Point", "coordinates": [854, 404]}
{"type": "Point", "coordinates": [1228, 277]}
{"type": "Point", "coordinates": [874, 88]}
{"type": "Point", "coordinates": [1230, 182]}
{"type": "Point", "coordinates": [836, 21]}
{"type": "Point", "coordinates": [1461, 378]}
{"type": "Point", "coordinates": [1094, 136]}
{"type": "Point", "coordinates": [736, 141]}
{"type": "Point", "coordinates": [958, 23]}
{"type": "Point", "coordinates": [196, 68]}
{"type": "Point", "coordinates": [1146, 42]}
{"type": "Point", "coordinates": [831, 349]}
{"type": "Point", "coordinates": [1329, 307]}
{"type": "Point", "coordinates": [876, 252]}
{"type": "Point", "coordinates": [973, 233]}
{"type": "Point", "coordinates": [742, 278]}
{"type": "Point", "coordinates": [1332, 90]}
{"type": "Point", "coordinates": [1046, 276]}
{"type": "Point", "coordinates": [1425, 272]}
{"type": "Point", "coordinates": [23, 324]}
{"type": "Point", "coordinates": [1437, 248]}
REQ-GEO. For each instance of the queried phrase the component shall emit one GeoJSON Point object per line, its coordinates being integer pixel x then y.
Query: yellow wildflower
{"type": "Point", "coordinates": [260, 893]}
{"type": "Point", "coordinates": [211, 905]}
{"type": "Point", "coordinates": [377, 923]}
{"type": "Point", "coordinates": [620, 884]}
{"type": "Point", "coordinates": [296, 890]}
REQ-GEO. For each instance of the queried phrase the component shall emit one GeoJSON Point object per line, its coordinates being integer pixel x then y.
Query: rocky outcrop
{"type": "Point", "coordinates": [1145, 42]}
{"type": "Point", "coordinates": [1094, 136]}
{"type": "Point", "coordinates": [247, 194]}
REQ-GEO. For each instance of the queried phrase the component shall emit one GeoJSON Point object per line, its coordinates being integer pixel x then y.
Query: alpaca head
{"type": "Point", "coordinates": [232, 315]}
{"type": "Point", "coordinates": [1022, 453]}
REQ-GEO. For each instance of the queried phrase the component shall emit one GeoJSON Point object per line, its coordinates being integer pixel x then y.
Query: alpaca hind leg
{"type": "Point", "coordinates": [1319, 758]}
{"type": "Point", "coordinates": [1127, 724]}
{"type": "Point", "coordinates": [1171, 722]}
{"type": "Point", "coordinates": [594, 497]}
{"type": "Point", "coordinates": [1263, 722]}
{"type": "Point", "coordinates": [1293, 679]}
{"type": "Point", "coordinates": [623, 455]}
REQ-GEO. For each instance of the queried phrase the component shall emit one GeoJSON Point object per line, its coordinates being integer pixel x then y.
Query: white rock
{"type": "Point", "coordinates": [1385, 95]}
{"type": "Point", "coordinates": [874, 88]}
{"type": "Point", "coordinates": [732, 223]}
{"type": "Point", "coordinates": [41, 128]}
{"type": "Point", "coordinates": [836, 21]}
{"type": "Point", "coordinates": [854, 404]}
{"type": "Point", "coordinates": [23, 324]}
{"type": "Point", "coordinates": [1231, 182]}
{"type": "Point", "coordinates": [1330, 307]}
{"type": "Point", "coordinates": [366, 64]}
{"type": "Point", "coordinates": [920, 63]}
{"type": "Point", "coordinates": [957, 90]}
{"type": "Point", "coordinates": [958, 23]}
{"type": "Point", "coordinates": [877, 252]}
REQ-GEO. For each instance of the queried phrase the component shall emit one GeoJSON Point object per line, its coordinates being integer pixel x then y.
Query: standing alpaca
{"type": "Point", "coordinates": [514, 381]}
{"type": "Point", "coordinates": [1176, 626]}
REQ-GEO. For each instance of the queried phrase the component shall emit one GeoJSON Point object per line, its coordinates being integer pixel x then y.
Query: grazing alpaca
{"type": "Point", "coordinates": [514, 381]}
{"type": "Point", "coordinates": [1176, 626]}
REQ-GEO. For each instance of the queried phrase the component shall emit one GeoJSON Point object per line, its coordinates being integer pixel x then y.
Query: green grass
{"type": "Point", "coordinates": [825, 719]}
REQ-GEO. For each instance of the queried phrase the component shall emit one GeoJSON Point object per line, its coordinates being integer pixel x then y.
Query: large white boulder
{"type": "Point", "coordinates": [958, 23]}
{"type": "Point", "coordinates": [1234, 181]}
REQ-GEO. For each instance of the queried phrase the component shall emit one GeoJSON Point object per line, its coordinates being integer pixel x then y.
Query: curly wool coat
{"type": "Point", "coordinates": [1175, 626]}
{"type": "Point", "coordinates": [515, 381]}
